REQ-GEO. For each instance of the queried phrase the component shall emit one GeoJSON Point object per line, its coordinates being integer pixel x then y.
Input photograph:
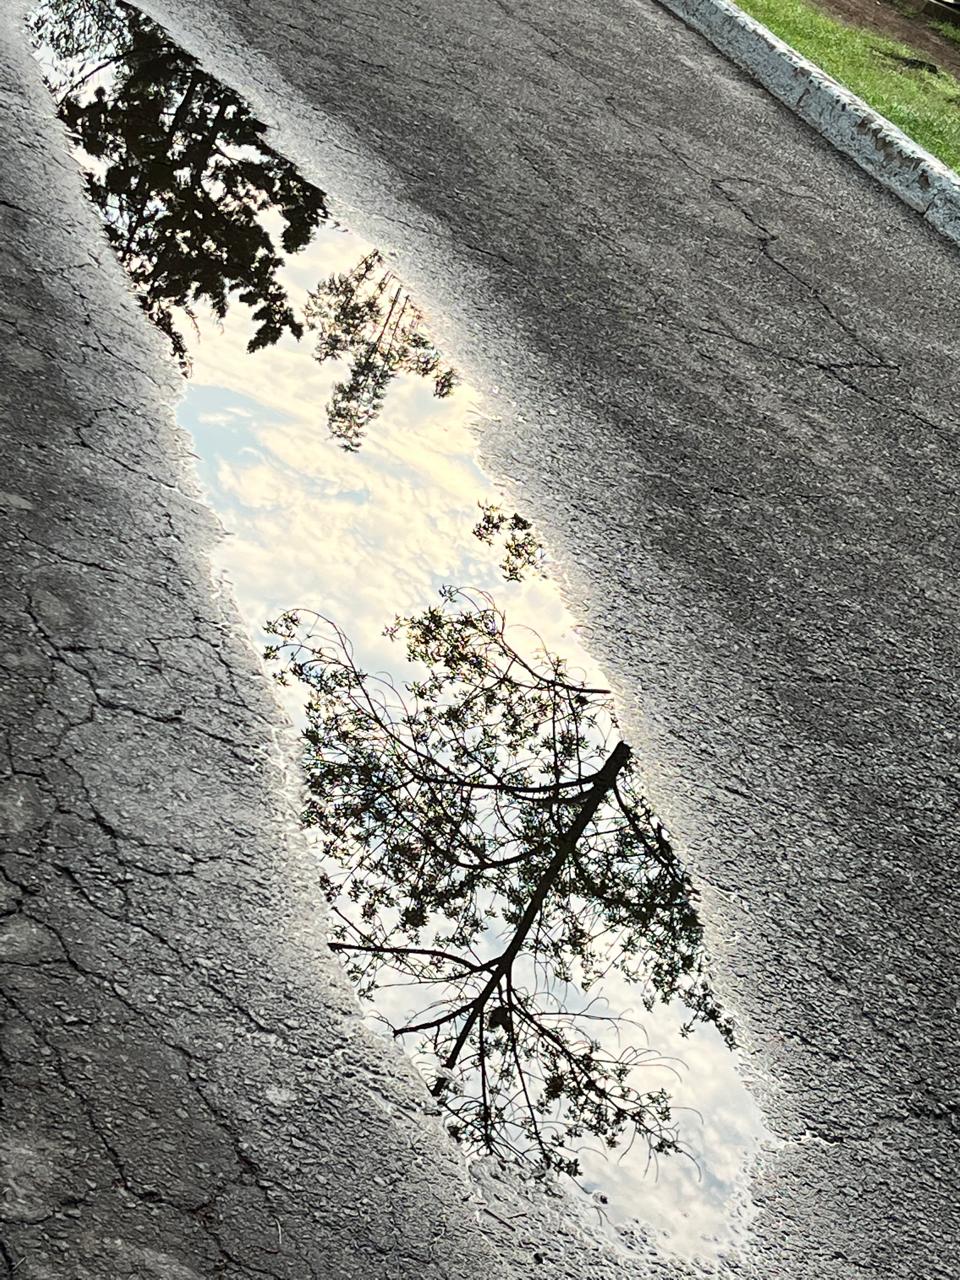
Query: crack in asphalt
{"type": "Point", "coordinates": [85, 865]}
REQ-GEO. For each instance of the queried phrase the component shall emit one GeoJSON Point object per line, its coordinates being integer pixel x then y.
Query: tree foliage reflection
{"type": "Point", "coordinates": [523, 552]}
{"type": "Point", "coordinates": [199, 209]}
{"type": "Point", "coordinates": [488, 847]}
{"type": "Point", "coordinates": [368, 315]}
{"type": "Point", "coordinates": [178, 167]}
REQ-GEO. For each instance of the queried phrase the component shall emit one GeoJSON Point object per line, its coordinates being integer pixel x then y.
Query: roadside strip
{"type": "Point", "coordinates": [878, 146]}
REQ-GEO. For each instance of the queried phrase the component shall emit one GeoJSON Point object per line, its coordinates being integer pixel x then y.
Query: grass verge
{"type": "Point", "coordinates": [893, 78]}
{"type": "Point", "coordinates": [949, 30]}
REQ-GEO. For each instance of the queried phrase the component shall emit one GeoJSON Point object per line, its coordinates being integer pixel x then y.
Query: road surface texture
{"type": "Point", "coordinates": [722, 374]}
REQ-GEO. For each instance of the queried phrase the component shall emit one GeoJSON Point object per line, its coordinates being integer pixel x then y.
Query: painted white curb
{"type": "Point", "coordinates": [918, 178]}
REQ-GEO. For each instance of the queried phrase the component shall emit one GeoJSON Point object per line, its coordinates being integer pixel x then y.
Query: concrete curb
{"type": "Point", "coordinates": [918, 178]}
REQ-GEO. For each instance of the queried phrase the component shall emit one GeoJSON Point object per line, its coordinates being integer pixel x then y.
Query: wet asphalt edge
{"type": "Point", "coordinates": [918, 178]}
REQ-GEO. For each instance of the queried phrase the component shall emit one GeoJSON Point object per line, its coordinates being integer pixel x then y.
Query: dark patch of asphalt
{"type": "Point", "coordinates": [728, 388]}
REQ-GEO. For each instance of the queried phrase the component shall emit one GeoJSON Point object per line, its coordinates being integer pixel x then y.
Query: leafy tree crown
{"type": "Point", "coordinates": [486, 842]}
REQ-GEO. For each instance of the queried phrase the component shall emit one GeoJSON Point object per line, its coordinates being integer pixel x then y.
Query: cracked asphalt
{"type": "Point", "coordinates": [721, 370]}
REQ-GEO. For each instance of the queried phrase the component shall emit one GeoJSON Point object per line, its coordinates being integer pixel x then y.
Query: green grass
{"type": "Point", "coordinates": [924, 105]}
{"type": "Point", "coordinates": [949, 30]}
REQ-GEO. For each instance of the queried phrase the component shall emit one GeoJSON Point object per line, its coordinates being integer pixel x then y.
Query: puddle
{"type": "Point", "coordinates": [335, 443]}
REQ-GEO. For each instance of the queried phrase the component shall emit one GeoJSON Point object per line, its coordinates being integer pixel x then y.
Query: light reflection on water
{"type": "Point", "coordinates": [364, 536]}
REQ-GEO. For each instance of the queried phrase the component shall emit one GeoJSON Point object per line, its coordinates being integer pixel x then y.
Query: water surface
{"type": "Point", "coordinates": [337, 445]}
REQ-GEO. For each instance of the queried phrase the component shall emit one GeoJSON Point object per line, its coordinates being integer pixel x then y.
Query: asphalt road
{"type": "Point", "coordinates": [188, 1090]}
{"type": "Point", "coordinates": [727, 392]}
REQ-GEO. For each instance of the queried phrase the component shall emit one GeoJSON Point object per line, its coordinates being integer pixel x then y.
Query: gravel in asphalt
{"type": "Point", "coordinates": [727, 390]}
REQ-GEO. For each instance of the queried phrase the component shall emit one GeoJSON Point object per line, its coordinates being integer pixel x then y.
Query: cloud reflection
{"type": "Point", "coordinates": [365, 536]}
{"type": "Point", "coordinates": [360, 537]}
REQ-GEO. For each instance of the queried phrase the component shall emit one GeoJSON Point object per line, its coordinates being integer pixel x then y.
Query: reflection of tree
{"type": "Point", "coordinates": [180, 171]}
{"type": "Point", "coordinates": [76, 29]}
{"type": "Point", "coordinates": [178, 167]}
{"type": "Point", "coordinates": [488, 847]}
{"type": "Point", "coordinates": [367, 314]}
{"type": "Point", "coordinates": [523, 552]}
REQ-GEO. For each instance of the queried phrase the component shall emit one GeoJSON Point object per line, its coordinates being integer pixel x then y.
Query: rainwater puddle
{"type": "Point", "coordinates": [348, 485]}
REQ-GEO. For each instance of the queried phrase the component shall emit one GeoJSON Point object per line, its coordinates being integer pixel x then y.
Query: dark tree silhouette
{"type": "Point", "coordinates": [78, 30]}
{"type": "Point", "coordinates": [178, 168]}
{"type": "Point", "coordinates": [367, 314]}
{"type": "Point", "coordinates": [182, 175]}
{"type": "Point", "coordinates": [523, 552]}
{"type": "Point", "coordinates": [487, 844]}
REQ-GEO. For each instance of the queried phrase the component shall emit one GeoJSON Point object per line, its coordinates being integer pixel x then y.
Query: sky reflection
{"type": "Point", "coordinates": [364, 536]}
